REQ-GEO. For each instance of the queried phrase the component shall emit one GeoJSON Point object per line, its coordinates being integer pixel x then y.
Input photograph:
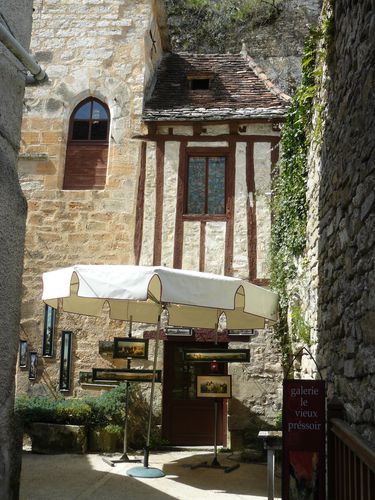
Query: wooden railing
{"type": "Point", "coordinates": [351, 464]}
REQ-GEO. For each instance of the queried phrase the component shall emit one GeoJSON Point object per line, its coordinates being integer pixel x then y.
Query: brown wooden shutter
{"type": "Point", "coordinates": [85, 166]}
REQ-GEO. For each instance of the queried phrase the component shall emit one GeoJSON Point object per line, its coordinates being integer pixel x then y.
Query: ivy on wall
{"type": "Point", "coordinates": [289, 204]}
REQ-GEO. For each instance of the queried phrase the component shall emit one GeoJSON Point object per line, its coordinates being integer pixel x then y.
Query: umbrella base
{"type": "Point", "coordinates": [150, 472]}
{"type": "Point", "coordinates": [215, 465]}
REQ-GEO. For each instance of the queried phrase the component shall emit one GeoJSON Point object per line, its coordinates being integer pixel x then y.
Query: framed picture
{"type": "Point", "coordinates": [65, 360]}
{"type": "Point", "coordinates": [33, 365]}
{"type": "Point", "coordinates": [124, 375]}
{"type": "Point", "coordinates": [86, 378]}
{"type": "Point", "coordinates": [106, 347]}
{"type": "Point", "coordinates": [130, 348]}
{"type": "Point", "coordinates": [23, 354]}
{"type": "Point", "coordinates": [214, 386]}
{"type": "Point", "coordinates": [48, 331]}
{"type": "Point", "coordinates": [178, 332]}
{"type": "Point", "coordinates": [192, 355]}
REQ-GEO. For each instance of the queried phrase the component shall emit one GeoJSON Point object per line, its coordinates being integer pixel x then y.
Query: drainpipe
{"type": "Point", "coordinates": [21, 54]}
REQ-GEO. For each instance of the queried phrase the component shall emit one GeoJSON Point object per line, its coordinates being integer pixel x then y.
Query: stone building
{"type": "Point", "coordinates": [337, 283]}
{"type": "Point", "coordinates": [15, 19]}
{"type": "Point", "coordinates": [136, 155]}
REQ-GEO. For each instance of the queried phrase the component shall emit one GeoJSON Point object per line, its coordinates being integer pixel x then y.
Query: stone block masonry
{"type": "Point", "coordinates": [99, 49]}
{"type": "Point", "coordinates": [341, 228]}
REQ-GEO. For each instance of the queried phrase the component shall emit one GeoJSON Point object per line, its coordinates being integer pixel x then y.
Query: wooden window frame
{"type": "Point", "coordinates": [71, 123]}
{"type": "Point", "coordinates": [78, 152]}
{"type": "Point", "coordinates": [206, 153]}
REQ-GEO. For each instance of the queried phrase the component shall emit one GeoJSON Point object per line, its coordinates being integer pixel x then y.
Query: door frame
{"type": "Point", "coordinates": [166, 401]}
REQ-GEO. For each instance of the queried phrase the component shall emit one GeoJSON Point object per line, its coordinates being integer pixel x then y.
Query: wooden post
{"type": "Point", "coordinates": [335, 409]}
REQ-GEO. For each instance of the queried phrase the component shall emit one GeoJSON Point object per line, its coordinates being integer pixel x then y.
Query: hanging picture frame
{"type": "Point", "coordinates": [85, 378]}
{"type": "Point", "coordinates": [195, 355]}
{"type": "Point", "coordinates": [65, 360]}
{"type": "Point", "coordinates": [214, 386]}
{"type": "Point", "coordinates": [33, 366]}
{"type": "Point", "coordinates": [48, 331]}
{"type": "Point", "coordinates": [130, 347]}
{"type": "Point", "coordinates": [23, 349]}
{"type": "Point", "coordinates": [106, 348]}
{"type": "Point", "coordinates": [124, 375]}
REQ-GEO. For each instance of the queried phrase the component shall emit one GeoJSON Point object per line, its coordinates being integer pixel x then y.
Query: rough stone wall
{"type": "Point", "coordinates": [256, 391]}
{"type": "Point", "coordinates": [101, 49]}
{"type": "Point", "coordinates": [341, 235]}
{"type": "Point", "coordinates": [17, 17]}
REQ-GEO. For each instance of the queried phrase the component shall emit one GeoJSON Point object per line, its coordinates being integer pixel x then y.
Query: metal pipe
{"type": "Point", "coordinates": [21, 54]}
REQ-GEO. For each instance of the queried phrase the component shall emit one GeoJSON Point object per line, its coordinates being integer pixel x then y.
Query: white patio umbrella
{"type": "Point", "coordinates": [141, 293]}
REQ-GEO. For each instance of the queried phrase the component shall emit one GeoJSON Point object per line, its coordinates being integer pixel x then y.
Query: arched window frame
{"type": "Point", "coordinates": [86, 158]}
{"type": "Point", "coordinates": [90, 99]}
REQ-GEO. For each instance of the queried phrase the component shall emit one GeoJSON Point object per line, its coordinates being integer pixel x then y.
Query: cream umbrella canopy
{"type": "Point", "coordinates": [141, 293]}
{"type": "Point", "coordinates": [192, 298]}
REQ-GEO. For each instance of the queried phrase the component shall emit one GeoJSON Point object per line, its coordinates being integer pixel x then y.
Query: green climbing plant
{"type": "Point", "coordinates": [289, 204]}
{"type": "Point", "coordinates": [304, 125]}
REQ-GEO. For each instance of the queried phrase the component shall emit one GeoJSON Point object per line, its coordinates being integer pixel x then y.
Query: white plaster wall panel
{"type": "Point", "coordinates": [216, 144]}
{"type": "Point", "coordinates": [262, 174]}
{"type": "Point", "coordinates": [147, 251]}
{"type": "Point", "coordinates": [183, 130]}
{"type": "Point", "coordinates": [171, 162]}
{"type": "Point", "coordinates": [191, 245]}
{"type": "Point", "coordinates": [259, 129]}
{"type": "Point", "coordinates": [240, 243]}
{"type": "Point", "coordinates": [215, 247]}
{"type": "Point", "coordinates": [215, 129]}
{"type": "Point", "coordinates": [162, 130]}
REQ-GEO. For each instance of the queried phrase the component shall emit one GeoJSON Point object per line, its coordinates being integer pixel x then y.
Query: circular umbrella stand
{"type": "Point", "coordinates": [215, 463]}
{"type": "Point", "coordinates": [145, 471]}
{"type": "Point", "coordinates": [150, 472]}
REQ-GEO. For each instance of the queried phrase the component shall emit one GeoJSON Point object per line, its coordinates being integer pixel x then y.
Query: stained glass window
{"type": "Point", "coordinates": [206, 185]}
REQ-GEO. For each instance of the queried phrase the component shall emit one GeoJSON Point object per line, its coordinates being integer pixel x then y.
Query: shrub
{"type": "Point", "coordinates": [60, 411]}
{"type": "Point", "coordinates": [35, 409]}
{"type": "Point", "coordinates": [106, 411]}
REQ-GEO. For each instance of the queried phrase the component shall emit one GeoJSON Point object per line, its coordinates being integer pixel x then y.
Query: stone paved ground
{"type": "Point", "coordinates": [79, 477]}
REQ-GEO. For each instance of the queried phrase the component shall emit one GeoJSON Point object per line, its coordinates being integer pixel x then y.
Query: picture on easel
{"type": "Point", "coordinates": [214, 386]}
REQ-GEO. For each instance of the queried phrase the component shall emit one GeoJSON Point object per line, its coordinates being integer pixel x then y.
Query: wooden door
{"type": "Point", "coordinates": [188, 420]}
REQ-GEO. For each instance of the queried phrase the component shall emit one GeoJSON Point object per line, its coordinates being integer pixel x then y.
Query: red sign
{"type": "Point", "coordinates": [304, 433]}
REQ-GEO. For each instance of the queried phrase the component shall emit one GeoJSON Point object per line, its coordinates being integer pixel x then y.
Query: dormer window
{"type": "Point", "coordinates": [200, 82]}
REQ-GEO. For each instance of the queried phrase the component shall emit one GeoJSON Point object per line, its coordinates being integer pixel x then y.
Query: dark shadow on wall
{"type": "Point", "coordinates": [244, 426]}
{"type": "Point", "coordinates": [346, 271]}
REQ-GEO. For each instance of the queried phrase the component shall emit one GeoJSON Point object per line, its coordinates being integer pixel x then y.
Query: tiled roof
{"type": "Point", "coordinates": [238, 89]}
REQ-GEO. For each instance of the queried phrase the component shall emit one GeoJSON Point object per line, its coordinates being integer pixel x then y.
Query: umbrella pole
{"type": "Point", "coordinates": [146, 471]}
{"type": "Point", "coordinates": [147, 447]}
{"type": "Point", "coordinates": [124, 457]}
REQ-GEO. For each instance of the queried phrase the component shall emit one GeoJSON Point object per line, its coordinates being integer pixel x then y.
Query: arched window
{"type": "Point", "coordinates": [87, 149]}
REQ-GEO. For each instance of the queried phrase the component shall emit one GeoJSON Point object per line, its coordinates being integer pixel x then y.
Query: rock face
{"type": "Point", "coordinates": [274, 37]}
{"type": "Point", "coordinates": [12, 229]}
{"type": "Point", "coordinates": [341, 228]}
